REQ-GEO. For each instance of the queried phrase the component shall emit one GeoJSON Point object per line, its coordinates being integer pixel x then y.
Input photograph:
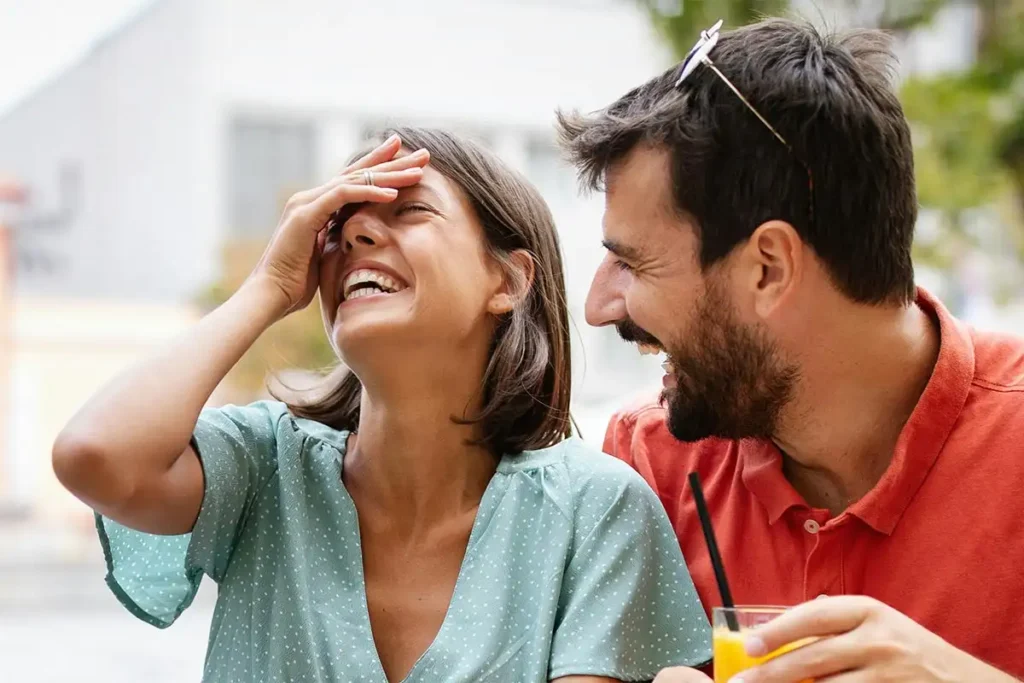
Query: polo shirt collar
{"type": "Point", "coordinates": [917, 447]}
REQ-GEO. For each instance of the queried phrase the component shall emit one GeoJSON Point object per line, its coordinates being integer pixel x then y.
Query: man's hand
{"type": "Point", "coordinates": [861, 639]}
{"type": "Point", "coordinates": [681, 674]}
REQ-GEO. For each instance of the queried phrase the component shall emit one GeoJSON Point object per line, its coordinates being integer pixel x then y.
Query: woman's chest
{"type": "Point", "coordinates": [472, 607]}
{"type": "Point", "coordinates": [409, 587]}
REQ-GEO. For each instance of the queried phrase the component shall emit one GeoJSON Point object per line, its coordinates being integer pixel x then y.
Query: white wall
{"type": "Point", "coordinates": [496, 61]}
{"type": "Point", "coordinates": [56, 126]}
{"type": "Point", "coordinates": [62, 351]}
{"type": "Point", "coordinates": [126, 117]}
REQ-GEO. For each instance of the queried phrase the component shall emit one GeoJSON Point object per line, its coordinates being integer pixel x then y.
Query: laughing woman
{"type": "Point", "coordinates": [427, 517]}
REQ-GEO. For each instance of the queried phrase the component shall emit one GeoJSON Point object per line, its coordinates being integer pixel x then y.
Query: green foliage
{"type": "Point", "coordinates": [955, 142]}
{"type": "Point", "coordinates": [298, 341]}
{"type": "Point", "coordinates": [680, 22]}
{"type": "Point", "coordinates": [969, 127]}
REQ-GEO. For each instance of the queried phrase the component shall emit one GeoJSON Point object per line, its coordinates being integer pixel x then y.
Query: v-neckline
{"type": "Point", "coordinates": [484, 513]}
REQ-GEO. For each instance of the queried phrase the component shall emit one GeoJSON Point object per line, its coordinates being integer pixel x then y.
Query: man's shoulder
{"type": "Point", "coordinates": [639, 434]}
{"type": "Point", "coordinates": [998, 362]}
{"type": "Point", "coordinates": [646, 411]}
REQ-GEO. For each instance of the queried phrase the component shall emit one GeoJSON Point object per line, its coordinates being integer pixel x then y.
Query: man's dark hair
{"type": "Point", "coordinates": [831, 97]}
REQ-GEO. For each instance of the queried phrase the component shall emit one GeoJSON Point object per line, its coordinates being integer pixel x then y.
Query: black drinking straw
{"type": "Point", "coordinates": [716, 557]}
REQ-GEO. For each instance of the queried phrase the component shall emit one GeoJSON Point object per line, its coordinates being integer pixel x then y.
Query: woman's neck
{"type": "Point", "coordinates": [410, 462]}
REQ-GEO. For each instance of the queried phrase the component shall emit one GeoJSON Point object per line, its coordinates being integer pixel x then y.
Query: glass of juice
{"type": "Point", "coordinates": [730, 656]}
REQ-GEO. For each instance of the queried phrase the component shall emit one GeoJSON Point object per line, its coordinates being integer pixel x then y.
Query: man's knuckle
{"type": "Point", "coordinates": [884, 647]}
{"type": "Point", "coordinates": [817, 660]}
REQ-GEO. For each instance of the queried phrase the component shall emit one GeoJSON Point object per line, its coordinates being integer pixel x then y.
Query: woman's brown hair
{"type": "Point", "coordinates": [525, 388]}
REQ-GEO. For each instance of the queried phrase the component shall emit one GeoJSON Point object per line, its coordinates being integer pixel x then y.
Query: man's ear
{"type": "Point", "coordinates": [519, 270]}
{"type": "Point", "coordinates": [774, 262]}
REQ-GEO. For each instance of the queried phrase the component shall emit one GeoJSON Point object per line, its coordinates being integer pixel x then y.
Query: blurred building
{"type": "Point", "coordinates": [184, 131]}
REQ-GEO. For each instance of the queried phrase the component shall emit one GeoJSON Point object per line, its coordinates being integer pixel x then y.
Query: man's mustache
{"type": "Point", "coordinates": [631, 332]}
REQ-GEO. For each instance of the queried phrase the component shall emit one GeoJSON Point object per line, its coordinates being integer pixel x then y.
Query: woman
{"type": "Point", "coordinates": [428, 519]}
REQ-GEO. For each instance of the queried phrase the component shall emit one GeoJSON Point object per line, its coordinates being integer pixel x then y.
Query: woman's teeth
{"type": "Point", "coordinates": [362, 283]}
{"type": "Point", "coordinates": [364, 291]}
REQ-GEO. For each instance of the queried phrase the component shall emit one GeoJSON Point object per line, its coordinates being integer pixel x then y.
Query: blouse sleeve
{"type": "Point", "coordinates": [156, 577]}
{"type": "Point", "coordinates": [628, 606]}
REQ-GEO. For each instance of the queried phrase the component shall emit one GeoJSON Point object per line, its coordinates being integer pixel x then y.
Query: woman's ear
{"type": "Point", "coordinates": [519, 270]}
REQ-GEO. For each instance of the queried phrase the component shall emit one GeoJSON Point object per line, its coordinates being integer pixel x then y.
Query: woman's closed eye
{"type": "Point", "coordinates": [414, 207]}
{"type": "Point", "coordinates": [337, 221]}
{"type": "Point", "coordinates": [622, 265]}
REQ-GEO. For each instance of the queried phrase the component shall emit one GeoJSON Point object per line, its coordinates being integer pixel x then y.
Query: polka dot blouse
{"type": "Point", "coordinates": [572, 566]}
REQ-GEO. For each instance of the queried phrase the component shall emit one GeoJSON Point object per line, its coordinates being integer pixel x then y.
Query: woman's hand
{"type": "Point", "coordinates": [127, 452]}
{"type": "Point", "coordinates": [291, 261]}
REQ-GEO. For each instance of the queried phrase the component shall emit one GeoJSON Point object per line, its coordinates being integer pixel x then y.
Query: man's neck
{"type": "Point", "coordinates": [862, 377]}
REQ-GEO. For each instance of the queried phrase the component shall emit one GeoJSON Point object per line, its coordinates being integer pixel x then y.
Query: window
{"type": "Point", "coordinates": [267, 163]}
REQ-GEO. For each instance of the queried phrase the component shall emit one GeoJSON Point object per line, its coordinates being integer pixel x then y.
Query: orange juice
{"type": "Point", "coordinates": [731, 658]}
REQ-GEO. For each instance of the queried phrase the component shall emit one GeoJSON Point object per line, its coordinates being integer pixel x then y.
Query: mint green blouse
{"type": "Point", "coordinates": [571, 568]}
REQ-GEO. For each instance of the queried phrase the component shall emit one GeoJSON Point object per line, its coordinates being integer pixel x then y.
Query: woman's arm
{"type": "Point", "coordinates": [126, 452]}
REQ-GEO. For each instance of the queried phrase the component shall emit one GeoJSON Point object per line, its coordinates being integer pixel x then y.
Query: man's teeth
{"type": "Point", "coordinates": [649, 349]}
{"type": "Point", "coordinates": [362, 283]}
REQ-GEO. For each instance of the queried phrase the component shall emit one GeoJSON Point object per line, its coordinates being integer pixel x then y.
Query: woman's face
{"type": "Point", "coordinates": [411, 273]}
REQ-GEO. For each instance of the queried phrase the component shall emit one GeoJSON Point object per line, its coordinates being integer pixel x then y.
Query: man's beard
{"type": "Point", "coordinates": [731, 380]}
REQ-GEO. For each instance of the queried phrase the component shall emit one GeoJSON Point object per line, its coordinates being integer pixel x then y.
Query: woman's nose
{"type": "Point", "coordinates": [363, 229]}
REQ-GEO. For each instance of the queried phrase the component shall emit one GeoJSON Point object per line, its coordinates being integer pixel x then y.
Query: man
{"type": "Point", "coordinates": [853, 438]}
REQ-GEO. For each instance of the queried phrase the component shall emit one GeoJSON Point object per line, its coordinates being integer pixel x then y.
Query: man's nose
{"type": "Point", "coordinates": [606, 304]}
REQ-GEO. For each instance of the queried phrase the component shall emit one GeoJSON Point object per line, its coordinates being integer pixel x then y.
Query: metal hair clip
{"type": "Point", "coordinates": [699, 53]}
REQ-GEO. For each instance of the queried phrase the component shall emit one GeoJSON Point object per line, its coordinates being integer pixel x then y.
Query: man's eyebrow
{"type": "Point", "coordinates": [623, 251]}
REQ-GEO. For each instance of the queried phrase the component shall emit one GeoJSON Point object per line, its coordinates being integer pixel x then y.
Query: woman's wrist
{"type": "Point", "coordinates": [264, 298]}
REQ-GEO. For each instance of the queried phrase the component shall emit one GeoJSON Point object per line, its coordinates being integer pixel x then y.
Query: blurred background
{"type": "Point", "coordinates": [147, 146]}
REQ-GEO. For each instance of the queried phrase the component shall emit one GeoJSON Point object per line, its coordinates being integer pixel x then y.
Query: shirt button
{"type": "Point", "coordinates": [811, 527]}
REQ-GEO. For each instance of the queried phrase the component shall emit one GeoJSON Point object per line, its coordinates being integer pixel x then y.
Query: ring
{"type": "Point", "coordinates": [368, 177]}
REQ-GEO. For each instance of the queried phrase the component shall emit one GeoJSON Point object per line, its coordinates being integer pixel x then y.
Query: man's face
{"type": "Point", "coordinates": [725, 377]}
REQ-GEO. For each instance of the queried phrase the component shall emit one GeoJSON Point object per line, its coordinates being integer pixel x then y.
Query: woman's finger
{"type": "Point", "coordinates": [419, 158]}
{"type": "Point", "coordinates": [320, 210]}
{"type": "Point", "coordinates": [403, 178]}
{"type": "Point", "coordinates": [385, 151]}
{"type": "Point", "coordinates": [394, 179]}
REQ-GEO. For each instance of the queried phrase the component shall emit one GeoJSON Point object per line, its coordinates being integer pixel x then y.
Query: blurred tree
{"type": "Point", "coordinates": [298, 341]}
{"type": "Point", "coordinates": [681, 21]}
{"type": "Point", "coordinates": [969, 133]}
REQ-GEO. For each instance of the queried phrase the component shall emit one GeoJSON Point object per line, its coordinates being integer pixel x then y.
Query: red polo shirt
{"type": "Point", "coordinates": [940, 537]}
